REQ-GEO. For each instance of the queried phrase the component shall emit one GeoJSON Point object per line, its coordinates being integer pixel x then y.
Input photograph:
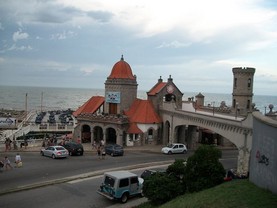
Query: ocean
{"type": "Point", "coordinates": [48, 98]}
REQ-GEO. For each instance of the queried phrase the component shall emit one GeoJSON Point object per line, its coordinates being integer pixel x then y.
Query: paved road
{"type": "Point", "coordinates": [41, 171]}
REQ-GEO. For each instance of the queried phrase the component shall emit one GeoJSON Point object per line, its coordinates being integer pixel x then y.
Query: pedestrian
{"type": "Point", "coordinates": [7, 144]}
{"type": "Point", "coordinates": [18, 160]}
{"type": "Point", "coordinates": [94, 146]}
{"type": "Point", "coordinates": [103, 153]}
{"type": "Point", "coordinates": [99, 152]}
{"type": "Point", "coordinates": [7, 163]}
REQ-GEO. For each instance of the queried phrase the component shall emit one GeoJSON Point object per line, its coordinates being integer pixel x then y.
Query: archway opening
{"type": "Point", "coordinates": [86, 134]}
{"type": "Point", "coordinates": [111, 136]}
{"type": "Point", "coordinates": [97, 134]}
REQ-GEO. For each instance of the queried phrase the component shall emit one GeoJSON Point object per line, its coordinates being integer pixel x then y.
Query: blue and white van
{"type": "Point", "coordinates": [120, 185]}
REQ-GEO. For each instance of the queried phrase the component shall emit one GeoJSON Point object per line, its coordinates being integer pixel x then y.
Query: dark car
{"type": "Point", "coordinates": [148, 172]}
{"type": "Point", "coordinates": [74, 148]}
{"type": "Point", "coordinates": [114, 149]}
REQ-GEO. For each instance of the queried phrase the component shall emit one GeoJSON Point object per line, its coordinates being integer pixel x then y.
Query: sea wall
{"type": "Point", "coordinates": [263, 161]}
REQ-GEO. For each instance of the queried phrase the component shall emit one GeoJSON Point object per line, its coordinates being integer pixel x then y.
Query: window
{"type": "Point", "coordinates": [249, 82]}
{"type": "Point", "coordinates": [109, 181]}
{"type": "Point", "coordinates": [134, 180]}
{"type": "Point", "coordinates": [235, 82]}
{"type": "Point", "coordinates": [248, 104]}
{"type": "Point", "coordinates": [124, 182]}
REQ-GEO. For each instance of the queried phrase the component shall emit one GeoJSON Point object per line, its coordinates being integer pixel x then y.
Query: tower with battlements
{"type": "Point", "coordinates": [242, 90]}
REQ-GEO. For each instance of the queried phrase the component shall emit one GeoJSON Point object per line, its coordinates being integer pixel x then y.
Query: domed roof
{"type": "Point", "coordinates": [122, 70]}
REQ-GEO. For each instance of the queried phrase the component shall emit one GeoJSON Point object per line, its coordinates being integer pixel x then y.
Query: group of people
{"type": "Point", "coordinates": [100, 148]}
{"type": "Point", "coordinates": [6, 163]}
{"type": "Point", "coordinates": [9, 142]}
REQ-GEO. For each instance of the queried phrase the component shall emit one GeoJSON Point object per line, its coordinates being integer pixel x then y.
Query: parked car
{"type": "Point", "coordinates": [148, 172]}
{"type": "Point", "coordinates": [174, 148]}
{"type": "Point", "coordinates": [114, 149]}
{"type": "Point", "coordinates": [120, 185]}
{"type": "Point", "coordinates": [54, 152]}
{"type": "Point", "coordinates": [74, 148]}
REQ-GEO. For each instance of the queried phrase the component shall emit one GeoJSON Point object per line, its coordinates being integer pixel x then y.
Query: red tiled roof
{"type": "Point", "coordinates": [133, 129]}
{"type": "Point", "coordinates": [142, 111]}
{"type": "Point", "coordinates": [121, 70]}
{"type": "Point", "coordinates": [157, 88]}
{"type": "Point", "coordinates": [90, 106]}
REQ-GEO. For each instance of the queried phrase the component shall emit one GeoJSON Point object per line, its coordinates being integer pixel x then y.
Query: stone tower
{"type": "Point", "coordinates": [120, 88]}
{"type": "Point", "coordinates": [242, 90]}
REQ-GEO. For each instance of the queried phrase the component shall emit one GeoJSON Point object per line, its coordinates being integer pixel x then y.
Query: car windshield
{"type": "Point", "coordinates": [170, 145]}
{"type": "Point", "coordinates": [59, 148]}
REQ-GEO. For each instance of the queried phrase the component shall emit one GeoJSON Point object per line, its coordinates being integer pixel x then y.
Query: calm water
{"type": "Point", "coordinates": [47, 98]}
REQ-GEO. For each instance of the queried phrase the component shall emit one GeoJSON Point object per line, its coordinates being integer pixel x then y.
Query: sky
{"type": "Point", "coordinates": [67, 43]}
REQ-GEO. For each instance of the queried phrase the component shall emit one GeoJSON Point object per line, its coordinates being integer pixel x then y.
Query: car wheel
{"type": "Point", "coordinates": [53, 156]}
{"type": "Point", "coordinates": [185, 151]}
{"type": "Point", "coordinates": [124, 198]}
{"type": "Point", "coordinates": [41, 153]}
{"type": "Point", "coordinates": [112, 154]}
{"type": "Point", "coordinates": [169, 153]}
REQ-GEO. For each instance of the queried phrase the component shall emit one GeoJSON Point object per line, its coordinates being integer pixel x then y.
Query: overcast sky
{"type": "Point", "coordinates": [66, 43]}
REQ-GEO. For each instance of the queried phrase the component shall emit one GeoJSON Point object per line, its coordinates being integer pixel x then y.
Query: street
{"type": "Point", "coordinates": [76, 192]}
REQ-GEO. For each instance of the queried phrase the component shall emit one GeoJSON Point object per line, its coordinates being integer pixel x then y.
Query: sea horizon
{"type": "Point", "coordinates": [47, 98]}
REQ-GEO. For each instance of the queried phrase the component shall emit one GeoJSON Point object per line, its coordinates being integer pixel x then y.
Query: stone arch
{"type": "Point", "coordinates": [150, 136]}
{"type": "Point", "coordinates": [86, 133]}
{"type": "Point", "coordinates": [169, 97]}
{"type": "Point", "coordinates": [98, 134]}
{"type": "Point", "coordinates": [111, 135]}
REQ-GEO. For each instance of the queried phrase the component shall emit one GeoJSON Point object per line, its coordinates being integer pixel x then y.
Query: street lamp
{"type": "Point", "coordinates": [213, 107]}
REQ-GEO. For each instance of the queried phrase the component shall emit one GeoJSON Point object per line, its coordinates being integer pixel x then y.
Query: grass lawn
{"type": "Point", "coordinates": [236, 193]}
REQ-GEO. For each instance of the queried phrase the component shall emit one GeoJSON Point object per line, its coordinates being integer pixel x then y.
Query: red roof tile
{"type": "Point", "coordinates": [91, 106]}
{"type": "Point", "coordinates": [157, 88]}
{"type": "Point", "coordinates": [142, 111]}
{"type": "Point", "coordinates": [133, 129]}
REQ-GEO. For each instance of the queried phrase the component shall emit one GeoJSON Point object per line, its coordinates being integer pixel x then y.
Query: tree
{"type": "Point", "coordinates": [203, 169]}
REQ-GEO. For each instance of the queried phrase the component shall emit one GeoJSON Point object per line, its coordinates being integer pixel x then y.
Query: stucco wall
{"type": "Point", "coordinates": [263, 161]}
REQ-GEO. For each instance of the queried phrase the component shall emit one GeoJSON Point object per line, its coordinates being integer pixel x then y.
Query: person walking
{"type": "Point", "coordinates": [18, 160]}
{"type": "Point", "coordinates": [7, 163]}
{"type": "Point", "coordinates": [99, 152]}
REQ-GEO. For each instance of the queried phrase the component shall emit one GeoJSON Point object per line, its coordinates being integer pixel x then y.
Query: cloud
{"type": "Point", "coordinates": [19, 35]}
{"type": "Point", "coordinates": [100, 16]}
{"type": "Point", "coordinates": [14, 47]}
{"type": "Point", "coordinates": [174, 44]}
{"type": "Point", "coordinates": [63, 35]}
{"type": "Point", "coordinates": [87, 71]}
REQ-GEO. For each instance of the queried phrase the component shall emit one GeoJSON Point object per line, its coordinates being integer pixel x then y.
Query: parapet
{"type": "Point", "coordinates": [244, 70]}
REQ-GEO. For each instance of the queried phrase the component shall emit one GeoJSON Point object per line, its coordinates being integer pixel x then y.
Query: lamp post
{"type": "Point", "coordinates": [213, 107]}
{"type": "Point", "coordinates": [264, 110]}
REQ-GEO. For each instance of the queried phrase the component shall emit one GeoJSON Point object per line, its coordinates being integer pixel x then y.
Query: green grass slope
{"type": "Point", "coordinates": [236, 193]}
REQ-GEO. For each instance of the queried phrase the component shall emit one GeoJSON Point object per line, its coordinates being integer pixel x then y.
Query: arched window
{"type": "Point", "coordinates": [249, 82]}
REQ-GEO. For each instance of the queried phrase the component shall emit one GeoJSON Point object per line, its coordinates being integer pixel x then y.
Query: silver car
{"type": "Point", "coordinates": [54, 152]}
{"type": "Point", "coordinates": [174, 148]}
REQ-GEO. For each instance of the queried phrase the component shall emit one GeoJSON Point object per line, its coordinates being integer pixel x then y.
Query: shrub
{"type": "Point", "coordinates": [160, 188]}
{"type": "Point", "coordinates": [203, 169]}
